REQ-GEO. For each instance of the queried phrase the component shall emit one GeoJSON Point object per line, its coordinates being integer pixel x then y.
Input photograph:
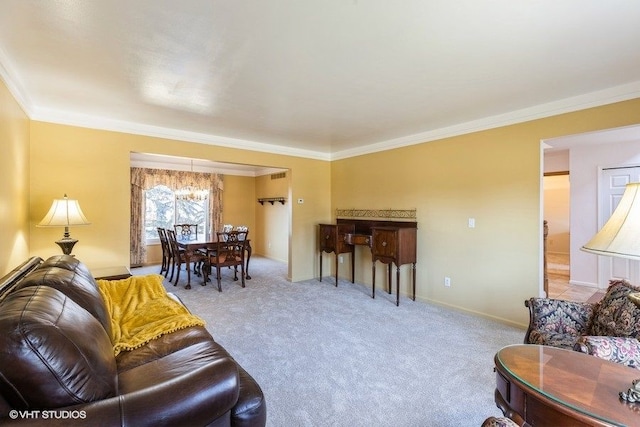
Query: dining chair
{"type": "Point", "coordinates": [179, 258]}
{"type": "Point", "coordinates": [166, 251]}
{"type": "Point", "coordinates": [226, 228]}
{"type": "Point", "coordinates": [186, 231]}
{"type": "Point", "coordinates": [229, 252]}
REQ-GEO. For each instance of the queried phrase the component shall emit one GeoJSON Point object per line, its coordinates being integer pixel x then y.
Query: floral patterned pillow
{"type": "Point", "coordinates": [624, 350]}
{"type": "Point", "coordinates": [616, 315]}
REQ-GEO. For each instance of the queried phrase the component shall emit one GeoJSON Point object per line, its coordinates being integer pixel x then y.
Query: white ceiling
{"type": "Point", "coordinates": [322, 79]}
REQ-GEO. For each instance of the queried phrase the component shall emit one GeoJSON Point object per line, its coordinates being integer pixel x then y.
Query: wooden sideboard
{"type": "Point", "coordinates": [391, 242]}
{"type": "Point", "coordinates": [331, 239]}
{"type": "Point", "coordinates": [393, 245]}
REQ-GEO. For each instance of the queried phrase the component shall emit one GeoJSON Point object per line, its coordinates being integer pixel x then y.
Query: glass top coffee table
{"type": "Point", "coordinates": [548, 386]}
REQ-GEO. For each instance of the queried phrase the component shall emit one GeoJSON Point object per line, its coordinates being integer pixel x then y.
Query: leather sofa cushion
{"type": "Point", "coordinates": [165, 345]}
{"type": "Point", "coordinates": [71, 277]}
{"type": "Point", "coordinates": [54, 353]}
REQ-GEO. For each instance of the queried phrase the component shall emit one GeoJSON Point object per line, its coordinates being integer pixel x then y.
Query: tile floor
{"type": "Point", "coordinates": [559, 287]}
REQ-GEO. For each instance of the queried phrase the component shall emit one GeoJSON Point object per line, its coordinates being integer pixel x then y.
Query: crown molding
{"type": "Point", "coordinates": [594, 99]}
{"type": "Point", "coordinates": [14, 85]}
{"type": "Point", "coordinates": [92, 122]}
{"type": "Point", "coordinates": [161, 161]}
{"type": "Point", "coordinates": [567, 105]}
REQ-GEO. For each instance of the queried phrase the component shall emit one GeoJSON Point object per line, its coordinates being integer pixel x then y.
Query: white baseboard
{"type": "Point", "coordinates": [585, 284]}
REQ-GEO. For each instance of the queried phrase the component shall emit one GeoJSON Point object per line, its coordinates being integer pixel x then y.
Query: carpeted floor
{"type": "Point", "coordinates": [327, 356]}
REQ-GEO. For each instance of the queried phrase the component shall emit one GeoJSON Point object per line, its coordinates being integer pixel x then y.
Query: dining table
{"type": "Point", "coordinates": [191, 246]}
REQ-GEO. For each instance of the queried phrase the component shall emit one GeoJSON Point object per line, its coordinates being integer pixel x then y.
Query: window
{"type": "Point", "coordinates": [163, 210]}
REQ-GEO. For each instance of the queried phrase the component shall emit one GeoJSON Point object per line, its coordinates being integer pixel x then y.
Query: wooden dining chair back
{"type": "Point", "coordinates": [186, 231]}
{"type": "Point", "coordinates": [229, 252]}
{"type": "Point", "coordinates": [175, 253]}
{"type": "Point", "coordinates": [236, 236]}
{"type": "Point", "coordinates": [166, 251]}
{"type": "Point", "coordinates": [178, 256]}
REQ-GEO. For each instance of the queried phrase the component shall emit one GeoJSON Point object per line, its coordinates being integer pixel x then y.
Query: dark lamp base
{"type": "Point", "coordinates": [66, 244]}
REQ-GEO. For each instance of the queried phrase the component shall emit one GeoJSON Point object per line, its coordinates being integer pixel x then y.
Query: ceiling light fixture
{"type": "Point", "coordinates": [192, 193]}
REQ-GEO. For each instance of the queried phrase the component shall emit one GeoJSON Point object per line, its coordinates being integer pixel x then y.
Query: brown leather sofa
{"type": "Point", "coordinates": [57, 364]}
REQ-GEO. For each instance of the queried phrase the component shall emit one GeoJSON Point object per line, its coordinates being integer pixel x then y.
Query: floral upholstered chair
{"type": "Point", "coordinates": [499, 422]}
{"type": "Point", "coordinates": [608, 329]}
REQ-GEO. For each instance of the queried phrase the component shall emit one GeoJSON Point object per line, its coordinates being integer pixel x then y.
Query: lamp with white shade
{"type": "Point", "coordinates": [620, 238]}
{"type": "Point", "coordinates": [64, 213]}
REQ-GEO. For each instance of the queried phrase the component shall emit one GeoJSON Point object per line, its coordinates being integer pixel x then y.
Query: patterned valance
{"type": "Point", "coordinates": [175, 180]}
{"type": "Point", "coordinates": [376, 213]}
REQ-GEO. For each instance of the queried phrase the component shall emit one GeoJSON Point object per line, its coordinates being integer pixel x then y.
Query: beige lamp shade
{"type": "Point", "coordinates": [63, 213]}
{"type": "Point", "coordinates": [620, 236]}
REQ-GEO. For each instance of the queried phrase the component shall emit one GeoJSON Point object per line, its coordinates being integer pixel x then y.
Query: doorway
{"type": "Point", "coordinates": [556, 192]}
{"type": "Point", "coordinates": [243, 185]}
{"type": "Point", "coordinates": [585, 156]}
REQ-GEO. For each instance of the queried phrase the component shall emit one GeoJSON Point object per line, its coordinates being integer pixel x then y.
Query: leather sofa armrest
{"type": "Point", "coordinates": [623, 350]}
{"type": "Point", "coordinates": [198, 397]}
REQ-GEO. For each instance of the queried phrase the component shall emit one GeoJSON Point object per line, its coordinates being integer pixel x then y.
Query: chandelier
{"type": "Point", "coordinates": [192, 193]}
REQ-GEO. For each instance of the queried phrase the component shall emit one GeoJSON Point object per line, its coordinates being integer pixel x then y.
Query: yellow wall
{"type": "Point", "coordinates": [93, 166]}
{"type": "Point", "coordinates": [14, 185]}
{"type": "Point", "coordinates": [273, 219]}
{"type": "Point", "coordinates": [239, 204]}
{"type": "Point", "coordinates": [493, 176]}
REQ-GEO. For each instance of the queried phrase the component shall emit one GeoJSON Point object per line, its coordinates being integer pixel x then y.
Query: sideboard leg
{"type": "Point", "coordinates": [373, 280]}
{"type": "Point", "coordinates": [353, 265]}
{"type": "Point", "coordinates": [397, 285]}
{"type": "Point", "coordinates": [413, 268]}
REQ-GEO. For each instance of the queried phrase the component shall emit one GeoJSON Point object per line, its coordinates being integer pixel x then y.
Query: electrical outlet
{"type": "Point", "coordinates": [340, 259]}
{"type": "Point", "coordinates": [447, 281]}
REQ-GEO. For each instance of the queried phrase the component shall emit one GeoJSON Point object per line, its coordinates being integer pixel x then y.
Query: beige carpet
{"type": "Point", "coordinates": [327, 356]}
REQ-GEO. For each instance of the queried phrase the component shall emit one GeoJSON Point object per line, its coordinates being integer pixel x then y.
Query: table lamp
{"type": "Point", "coordinates": [64, 213]}
{"type": "Point", "coordinates": [620, 237]}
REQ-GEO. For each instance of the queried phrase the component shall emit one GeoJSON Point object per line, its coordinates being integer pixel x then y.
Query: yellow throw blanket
{"type": "Point", "coordinates": [141, 310]}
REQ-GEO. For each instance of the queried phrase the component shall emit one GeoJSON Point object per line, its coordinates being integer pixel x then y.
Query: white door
{"type": "Point", "coordinates": [613, 183]}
